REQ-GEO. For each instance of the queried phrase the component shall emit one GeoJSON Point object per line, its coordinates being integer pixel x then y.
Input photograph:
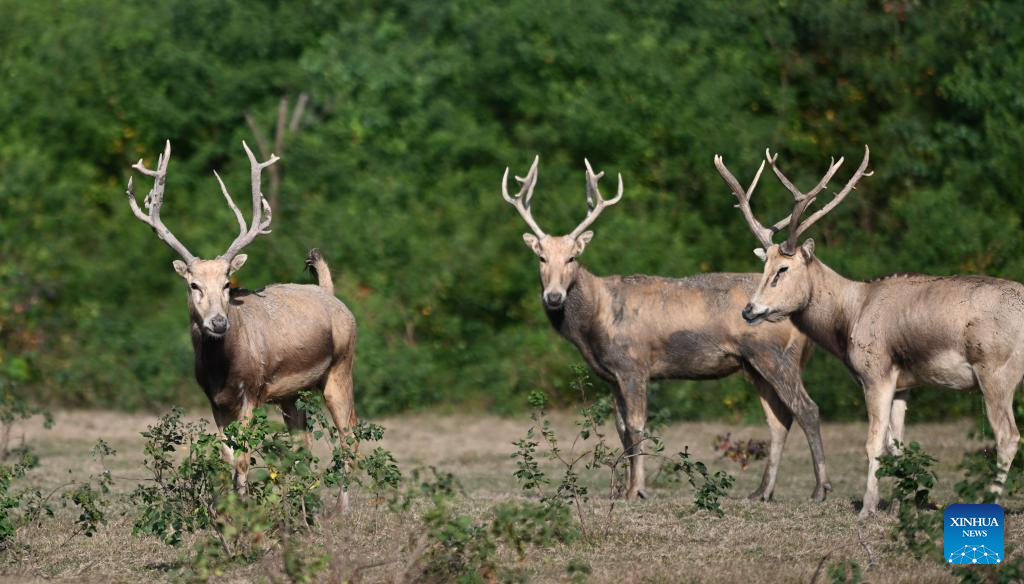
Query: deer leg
{"type": "Point", "coordinates": [241, 462]}
{"type": "Point", "coordinates": [633, 395]}
{"type": "Point", "coordinates": [896, 422]}
{"type": "Point", "coordinates": [339, 396]}
{"type": "Point", "coordinates": [878, 394]}
{"type": "Point", "coordinates": [223, 418]}
{"type": "Point", "coordinates": [620, 429]}
{"type": "Point", "coordinates": [998, 387]}
{"type": "Point", "coordinates": [296, 422]}
{"type": "Point", "coordinates": [780, 418]}
{"type": "Point", "coordinates": [782, 373]}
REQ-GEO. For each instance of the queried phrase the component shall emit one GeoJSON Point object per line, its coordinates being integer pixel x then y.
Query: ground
{"type": "Point", "coordinates": [781, 541]}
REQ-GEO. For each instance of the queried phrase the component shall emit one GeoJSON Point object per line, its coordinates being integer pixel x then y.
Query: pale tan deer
{"type": "Point", "coordinates": [260, 346]}
{"type": "Point", "coordinates": [631, 329]}
{"type": "Point", "coordinates": [892, 333]}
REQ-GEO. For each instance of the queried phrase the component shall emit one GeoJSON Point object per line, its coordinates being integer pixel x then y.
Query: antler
{"type": "Point", "coordinates": [154, 200]}
{"type": "Point", "coordinates": [804, 200]}
{"type": "Point", "coordinates": [260, 224]}
{"type": "Point", "coordinates": [522, 200]}
{"type": "Point", "coordinates": [595, 202]}
{"type": "Point", "coordinates": [762, 233]}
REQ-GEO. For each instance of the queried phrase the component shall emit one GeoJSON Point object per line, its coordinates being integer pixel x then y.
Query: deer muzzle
{"type": "Point", "coordinates": [554, 300]}
{"type": "Point", "coordinates": [216, 326]}
{"type": "Point", "coordinates": [753, 313]}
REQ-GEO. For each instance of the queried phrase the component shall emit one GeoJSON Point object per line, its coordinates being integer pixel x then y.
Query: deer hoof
{"type": "Point", "coordinates": [865, 513]}
{"type": "Point", "coordinates": [640, 494]}
{"type": "Point", "coordinates": [759, 495]}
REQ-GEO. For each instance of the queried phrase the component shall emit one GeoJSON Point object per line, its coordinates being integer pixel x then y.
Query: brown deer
{"type": "Point", "coordinates": [260, 346]}
{"type": "Point", "coordinates": [631, 329]}
{"type": "Point", "coordinates": [892, 333]}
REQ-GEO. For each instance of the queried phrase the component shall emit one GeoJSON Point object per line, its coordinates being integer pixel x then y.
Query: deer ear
{"type": "Point", "coordinates": [761, 254]}
{"type": "Point", "coordinates": [808, 249]}
{"type": "Point", "coordinates": [180, 267]}
{"type": "Point", "coordinates": [582, 240]}
{"type": "Point", "coordinates": [533, 243]}
{"type": "Point", "coordinates": [237, 262]}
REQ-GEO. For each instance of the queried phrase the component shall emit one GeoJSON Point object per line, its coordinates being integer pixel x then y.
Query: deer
{"type": "Point", "coordinates": [254, 347]}
{"type": "Point", "coordinates": [892, 333]}
{"type": "Point", "coordinates": [633, 329]}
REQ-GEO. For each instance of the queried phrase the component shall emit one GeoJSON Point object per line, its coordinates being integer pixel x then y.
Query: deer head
{"type": "Point", "coordinates": [207, 281]}
{"type": "Point", "coordinates": [785, 285]}
{"type": "Point", "coordinates": [558, 253]}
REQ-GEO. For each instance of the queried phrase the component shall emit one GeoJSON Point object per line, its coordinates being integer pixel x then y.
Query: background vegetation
{"type": "Point", "coordinates": [414, 111]}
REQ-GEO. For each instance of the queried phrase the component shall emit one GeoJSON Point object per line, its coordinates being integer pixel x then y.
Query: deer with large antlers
{"type": "Point", "coordinates": [631, 329]}
{"type": "Point", "coordinates": [892, 333]}
{"type": "Point", "coordinates": [261, 346]}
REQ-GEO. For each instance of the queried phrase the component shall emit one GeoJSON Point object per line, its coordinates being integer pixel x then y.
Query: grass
{"type": "Point", "coordinates": [782, 541]}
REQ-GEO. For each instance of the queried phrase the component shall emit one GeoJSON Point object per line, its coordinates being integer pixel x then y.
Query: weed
{"type": "Point", "coordinates": [14, 409]}
{"type": "Point", "coordinates": [286, 482]}
{"type": "Point", "coordinates": [912, 470]}
{"type": "Point", "coordinates": [919, 525]}
{"type": "Point", "coordinates": [845, 572]}
{"type": "Point", "coordinates": [708, 488]}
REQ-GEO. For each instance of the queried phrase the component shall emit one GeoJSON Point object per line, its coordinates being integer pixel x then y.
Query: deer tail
{"type": "Point", "coordinates": [318, 267]}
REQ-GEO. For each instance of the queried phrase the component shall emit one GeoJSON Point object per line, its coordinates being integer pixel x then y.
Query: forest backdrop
{"type": "Point", "coordinates": [414, 110]}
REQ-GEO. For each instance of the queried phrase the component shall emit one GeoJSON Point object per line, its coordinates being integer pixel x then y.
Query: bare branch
{"type": "Point", "coordinates": [155, 200]}
{"type": "Point", "coordinates": [261, 139]}
{"type": "Point", "coordinates": [522, 200]}
{"type": "Point", "coordinates": [297, 113]}
{"type": "Point", "coordinates": [279, 128]}
{"type": "Point", "coordinates": [596, 204]}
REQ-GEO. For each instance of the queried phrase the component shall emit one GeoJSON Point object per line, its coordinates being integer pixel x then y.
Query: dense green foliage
{"type": "Point", "coordinates": [415, 110]}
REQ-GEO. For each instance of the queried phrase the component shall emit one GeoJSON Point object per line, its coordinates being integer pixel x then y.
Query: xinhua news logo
{"type": "Point", "coordinates": [973, 534]}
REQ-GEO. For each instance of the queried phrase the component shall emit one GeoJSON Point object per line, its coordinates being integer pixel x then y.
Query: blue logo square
{"type": "Point", "coordinates": [973, 534]}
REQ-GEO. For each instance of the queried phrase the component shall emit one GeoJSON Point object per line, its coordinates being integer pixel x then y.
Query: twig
{"type": "Point", "coordinates": [864, 544]}
{"type": "Point", "coordinates": [821, 564]}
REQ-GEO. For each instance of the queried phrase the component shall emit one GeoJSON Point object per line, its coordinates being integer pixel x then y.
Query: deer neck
{"type": "Point", "coordinates": [213, 357]}
{"type": "Point", "coordinates": [833, 306]}
{"type": "Point", "coordinates": [580, 313]}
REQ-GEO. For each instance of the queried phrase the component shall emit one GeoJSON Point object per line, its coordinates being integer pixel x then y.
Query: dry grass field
{"type": "Point", "coordinates": [782, 541]}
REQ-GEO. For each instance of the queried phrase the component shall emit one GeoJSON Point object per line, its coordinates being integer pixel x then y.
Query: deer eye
{"type": "Point", "coordinates": [227, 285]}
{"type": "Point", "coordinates": [778, 274]}
{"type": "Point", "coordinates": [543, 259]}
{"type": "Point", "coordinates": [570, 260]}
{"type": "Point", "coordinates": [195, 287]}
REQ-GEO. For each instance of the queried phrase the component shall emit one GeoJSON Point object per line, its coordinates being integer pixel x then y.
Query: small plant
{"type": "Point", "coordinates": [845, 572]}
{"type": "Point", "coordinates": [14, 409]}
{"type": "Point", "coordinates": [739, 451]}
{"type": "Point", "coordinates": [708, 488]}
{"type": "Point", "coordinates": [919, 527]}
{"type": "Point", "coordinates": [10, 500]}
{"type": "Point", "coordinates": [573, 458]}
{"type": "Point", "coordinates": [980, 470]}
{"type": "Point", "coordinates": [89, 497]}
{"type": "Point", "coordinates": [532, 524]}
{"type": "Point", "coordinates": [912, 470]}
{"type": "Point", "coordinates": [303, 564]}
{"type": "Point", "coordinates": [184, 494]}
{"type": "Point", "coordinates": [452, 546]}
{"type": "Point", "coordinates": [577, 571]}
{"type": "Point", "coordinates": [286, 482]}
